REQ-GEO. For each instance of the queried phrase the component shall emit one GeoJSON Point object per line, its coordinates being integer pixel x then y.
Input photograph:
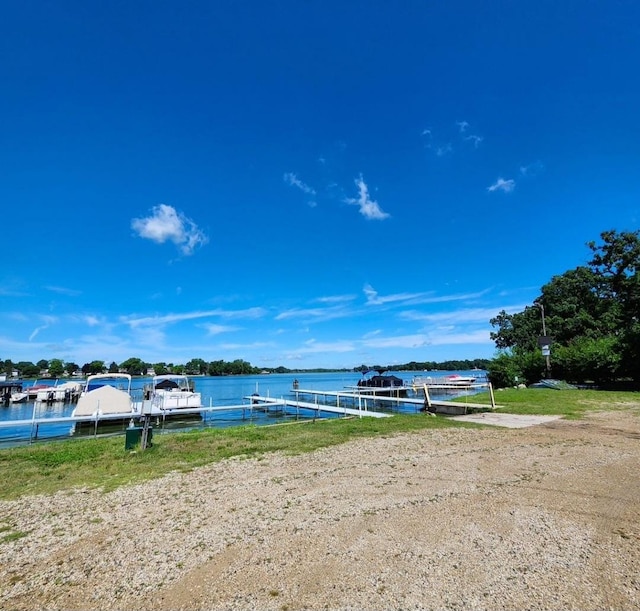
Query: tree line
{"type": "Point", "coordinates": [591, 315]}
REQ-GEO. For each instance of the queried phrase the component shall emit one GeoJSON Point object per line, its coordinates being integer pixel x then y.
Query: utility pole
{"type": "Point", "coordinates": [546, 350]}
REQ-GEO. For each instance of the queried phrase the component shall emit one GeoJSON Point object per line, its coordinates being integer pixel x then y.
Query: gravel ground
{"type": "Point", "coordinates": [546, 517]}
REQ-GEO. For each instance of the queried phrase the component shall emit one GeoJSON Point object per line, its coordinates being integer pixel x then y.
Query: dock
{"type": "Point", "coordinates": [364, 398]}
{"type": "Point", "coordinates": [361, 410]}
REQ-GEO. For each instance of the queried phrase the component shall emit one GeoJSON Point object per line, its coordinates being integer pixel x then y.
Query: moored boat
{"type": "Point", "coordinates": [106, 397]}
{"type": "Point", "coordinates": [171, 395]}
{"type": "Point", "coordinates": [382, 384]}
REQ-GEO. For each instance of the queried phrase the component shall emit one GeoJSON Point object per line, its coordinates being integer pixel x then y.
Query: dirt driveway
{"type": "Point", "coordinates": [545, 517]}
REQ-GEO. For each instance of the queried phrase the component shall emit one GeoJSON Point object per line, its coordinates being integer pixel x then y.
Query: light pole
{"type": "Point", "coordinates": [545, 346]}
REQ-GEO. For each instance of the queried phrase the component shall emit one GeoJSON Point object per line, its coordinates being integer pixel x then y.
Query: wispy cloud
{"type": "Point", "coordinates": [374, 299]}
{"type": "Point", "coordinates": [167, 224]}
{"type": "Point", "coordinates": [416, 298]}
{"type": "Point", "coordinates": [462, 126]}
{"type": "Point", "coordinates": [336, 299]}
{"type": "Point", "coordinates": [426, 132]}
{"type": "Point", "coordinates": [291, 179]}
{"type": "Point", "coordinates": [369, 208]}
{"type": "Point", "coordinates": [213, 329]}
{"type": "Point", "coordinates": [135, 321]}
{"type": "Point", "coordinates": [476, 140]}
{"type": "Point", "coordinates": [507, 186]}
{"type": "Point", "coordinates": [315, 314]}
{"type": "Point", "coordinates": [63, 291]}
{"type": "Point", "coordinates": [463, 316]}
{"type": "Point", "coordinates": [532, 169]}
{"type": "Point", "coordinates": [48, 321]}
{"type": "Point", "coordinates": [441, 151]}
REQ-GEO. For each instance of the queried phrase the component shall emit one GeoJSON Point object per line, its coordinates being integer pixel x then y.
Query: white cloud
{"type": "Point", "coordinates": [503, 185]}
{"type": "Point", "coordinates": [475, 139]}
{"type": "Point", "coordinates": [63, 291]}
{"type": "Point", "coordinates": [462, 126]}
{"type": "Point", "coordinates": [416, 298]}
{"type": "Point", "coordinates": [291, 179]}
{"type": "Point", "coordinates": [369, 208]}
{"type": "Point", "coordinates": [213, 329]}
{"type": "Point", "coordinates": [426, 132]}
{"type": "Point", "coordinates": [167, 224]}
{"type": "Point", "coordinates": [134, 321]}
{"type": "Point", "coordinates": [532, 169]}
{"type": "Point", "coordinates": [374, 299]}
{"type": "Point", "coordinates": [316, 314]}
{"type": "Point", "coordinates": [48, 321]}
{"type": "Point", "coordinates": [441, 151]}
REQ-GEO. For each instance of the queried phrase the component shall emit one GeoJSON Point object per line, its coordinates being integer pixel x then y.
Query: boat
{"type": "Point", "coordinates": [9, 390]}
{"type": "Point", "coordinates": [453, 382]}
{"type": "Point", "coordinates": [33, 390]}
{"type": "Point", "coordinates": [382, 383]}
{"type": "Point", "coordinates": [19, 397]}
{"type": "Point", "coordinates": [67, 392]}
{"type": "Point", "coordinates": [170, 395]}
{"type": "Point", "coordinates": [107, 397]}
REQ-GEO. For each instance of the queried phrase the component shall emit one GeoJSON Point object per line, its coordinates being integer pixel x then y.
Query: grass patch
{"type": "Point", "coordinates": [571, 404]}
{"type": "Point", "coordinates": [12, 536]}
{"type": "Point", "coordinates": [103, 462]}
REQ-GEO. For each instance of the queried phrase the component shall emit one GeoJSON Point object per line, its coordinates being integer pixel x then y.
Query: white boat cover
{"type": "Point", "coordinates": [107, 399]}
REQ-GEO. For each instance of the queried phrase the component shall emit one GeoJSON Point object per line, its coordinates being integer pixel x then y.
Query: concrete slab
{"type": "Point", "coordinates": [511, 421]}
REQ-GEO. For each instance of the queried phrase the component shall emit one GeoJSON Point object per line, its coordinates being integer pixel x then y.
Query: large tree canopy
{"type": "Point", "coordinates": [592, 313]}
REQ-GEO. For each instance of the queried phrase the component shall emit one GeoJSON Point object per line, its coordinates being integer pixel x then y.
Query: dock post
{"type": "Point", "coordinates": [427, 398]}
{"type": "Point", "coordinates": [493, 399]}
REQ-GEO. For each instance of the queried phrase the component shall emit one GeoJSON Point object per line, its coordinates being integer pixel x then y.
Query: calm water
{"type": "Point", "coordinates": [216, 391]}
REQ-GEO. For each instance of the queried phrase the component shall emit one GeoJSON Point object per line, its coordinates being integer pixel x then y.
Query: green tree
{"type": "Point", "coordinates": [56, 368]}
{"type": "Point", "coordinates": [27, 369]}
{"type": "Point", "coordinates": [43, 364]}
{"type": "Point", "coordinates": [160, 369]}
{"type": "Point", "coordinates": [113, 367]}
{"type": "Point", "coordinates": [134, 366]}
{"type": "Point", "coordinates": [71, 367]}
{"type": "Point", "coordinates": [592, 314]}
{"type": "Point", "coordinates": [93, 367]}
{"type": "Point", "coordinates": [196, 367]}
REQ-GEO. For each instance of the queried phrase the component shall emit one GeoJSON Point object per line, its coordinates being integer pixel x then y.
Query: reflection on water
{"type": "Point", "coordinates": [215, 391]}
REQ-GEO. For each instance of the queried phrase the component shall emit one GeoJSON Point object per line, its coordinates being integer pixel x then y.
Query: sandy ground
{"type": "Point", "coordinates": [544, 517]}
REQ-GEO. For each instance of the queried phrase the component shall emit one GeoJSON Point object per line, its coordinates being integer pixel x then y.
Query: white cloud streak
{"type": "Point", "coordinates": [291, 179]}
{"type": "Point", "coordinates": [166, 224]}
{"type": "Point", "coordinates": [475, 139]}
{"type": "Point", "coordinates": [369, 208]}
{"type": "Point", "coordinates": [506, 186]}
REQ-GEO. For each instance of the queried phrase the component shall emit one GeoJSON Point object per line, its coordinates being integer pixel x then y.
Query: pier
{"type": "Point", "coordinates": [365, 397]}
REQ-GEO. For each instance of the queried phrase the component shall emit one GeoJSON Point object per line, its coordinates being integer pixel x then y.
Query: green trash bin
{"type": "Point", "coordinates": [132, 437]}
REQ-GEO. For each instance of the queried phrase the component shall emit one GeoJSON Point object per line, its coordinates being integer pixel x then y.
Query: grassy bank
{"type": "Point", "coordinates": [568, 403]}
{"type": "Point", "coordinates": [103, 462]}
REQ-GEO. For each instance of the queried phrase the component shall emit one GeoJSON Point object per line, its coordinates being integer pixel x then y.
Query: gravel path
{"type": "Point", "coordinates": [546, 517]}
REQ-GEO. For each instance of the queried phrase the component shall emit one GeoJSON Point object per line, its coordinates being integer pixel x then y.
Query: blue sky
{"type": "Point", "coordinates": [306, 184]}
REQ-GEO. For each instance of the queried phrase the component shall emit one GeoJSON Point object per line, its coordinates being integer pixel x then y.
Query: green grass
{"type": "Point", "coordinates": [49, 467]}
{"type": "Point", "coordinates": [103, 463]}
{"type": "Point", "coordinates": [571, 404]}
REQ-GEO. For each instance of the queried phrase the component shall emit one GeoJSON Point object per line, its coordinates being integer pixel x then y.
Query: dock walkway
{"type": "Point", "coordinates": [364, 400]}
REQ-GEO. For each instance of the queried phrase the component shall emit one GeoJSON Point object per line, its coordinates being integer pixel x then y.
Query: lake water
{"type": "Point", "coordinates": [216, 391]}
